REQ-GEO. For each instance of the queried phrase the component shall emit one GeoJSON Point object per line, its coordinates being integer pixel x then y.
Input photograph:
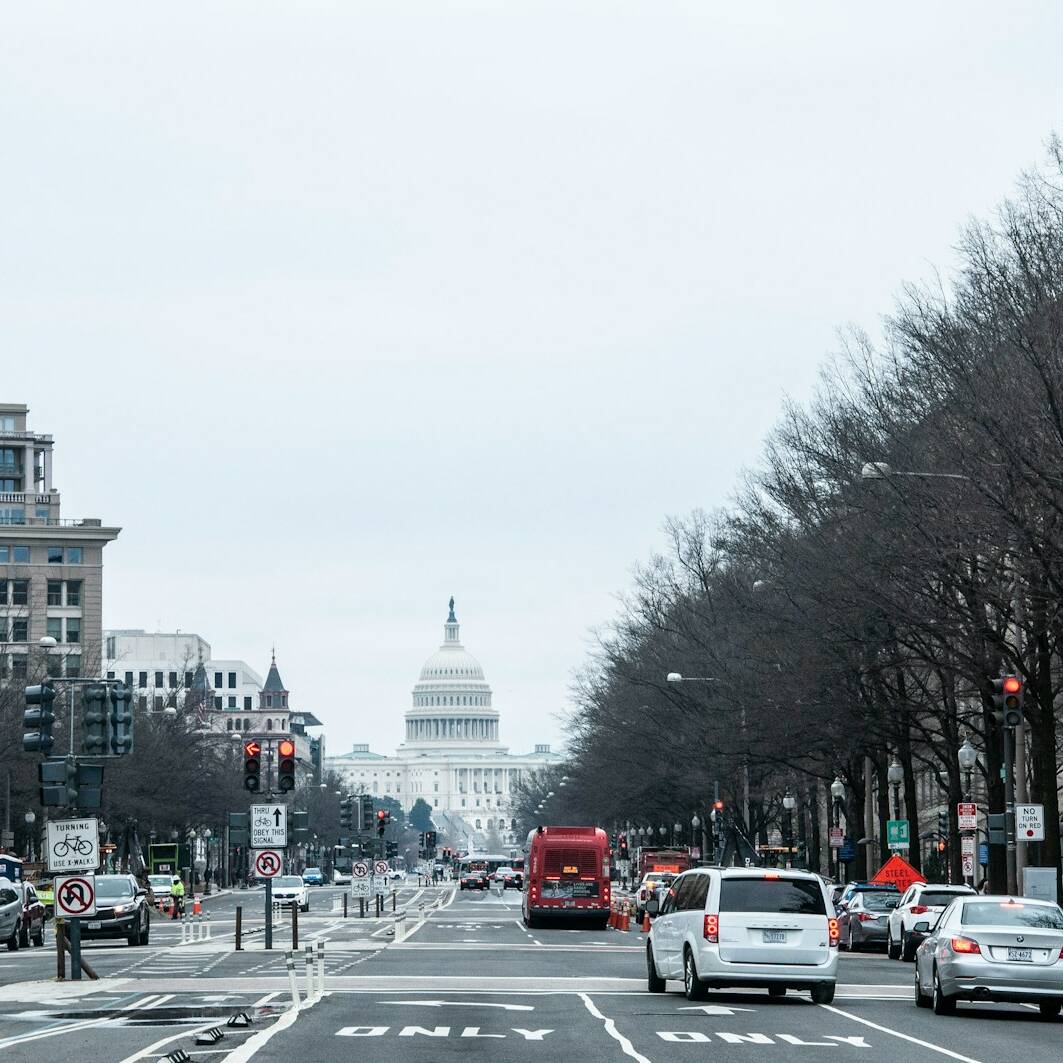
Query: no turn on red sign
{"type": "Point", "coordinates": [1030, 823]}
{"type": "Point", "coordinates": [75, 896]}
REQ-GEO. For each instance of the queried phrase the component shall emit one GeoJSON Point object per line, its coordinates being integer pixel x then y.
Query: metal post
{"type": "Point", "coordinates": [361, 907]}
{"type": "Point", "coordinates": [295, 926]}
{"type": "Point", "coordinates": [60, 949]}
{"type": "Point", "coordinates": [269, 913]}
{"type": "Point", "coordinates": [75, 949]}
{"type": "Point", "coordinates": [345, 904]}
{"type": "Point", "coordinates": [239, 926]}
{"type": "Point", "coordinates": [289, 961]}
{"type": "Point", "coordinates": [320, 967]}
{"type": "Point", "coordinates": [308, 958]}
{"type": "Point", "coordinates": [1009, 809]}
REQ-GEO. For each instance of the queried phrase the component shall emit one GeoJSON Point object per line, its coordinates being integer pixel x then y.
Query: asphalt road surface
{"type": "Point", "coordinates": [462, 978]}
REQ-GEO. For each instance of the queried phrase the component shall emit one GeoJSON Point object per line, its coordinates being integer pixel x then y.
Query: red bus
{"type": "Point", "coordinates": [566, 875]}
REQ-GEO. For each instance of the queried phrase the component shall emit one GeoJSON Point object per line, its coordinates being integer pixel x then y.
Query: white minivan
{"type": "Point", "coordinates": [745, 927]}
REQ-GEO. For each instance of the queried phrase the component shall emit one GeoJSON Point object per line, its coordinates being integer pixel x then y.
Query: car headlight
{"type": "Point", "coordinates": [120, 908]}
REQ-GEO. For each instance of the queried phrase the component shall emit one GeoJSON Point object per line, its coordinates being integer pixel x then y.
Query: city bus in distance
{"type": "Point", "coordinates": [566, 875]}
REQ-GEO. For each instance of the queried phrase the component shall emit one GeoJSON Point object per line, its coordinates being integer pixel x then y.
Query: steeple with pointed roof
{"type": "Point", "coordinates": [274, 694]}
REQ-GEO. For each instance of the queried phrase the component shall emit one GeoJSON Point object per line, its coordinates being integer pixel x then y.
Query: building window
{"type": "Point", "coordinates": [269, 701]}
{"type": "Point", "coordinates": [217, 702]}
{"type": "Point", "coordinates": [236, 725]}
{"type": "Point", "coordinates": [269, 725]}
{"type": "Point", "coordinates": [232, 703]}
{"type": "Point", "coordinates": [53, 665]}
{"type": "Point", "coordinates": [217, 680]}
{"type": "Point", "coordinates": [247, 725]}
{"type": "Point", "coordinates": [55, 555]}
{"type": "Point", "coordinates": [232, 680]}
{"type": "Point", "coordinates": [18, 667]}
{"type": "Point", "coordinates": [73, 555]}
{"type": "Point", "coordinates": [110, 675]}
{"type": "Point", "coordinates": [73, 665]}
{"type": "Point", "coordinates": [129, 679]}
{"type": "Point", "coordinates": [5, 555]}
{"type": "Point", "coordinates": [158, 703]}
{"type": "Point", "coordinates": [73, 592]}
{"type": "Point", "coordinates": [20, 555]}
{"type": "Point", "coordinates": [19, 630]}
{"type": "Point", "coordinates": [55, 628]}
{"type": "Point", "coordinates": [247, 704]}
{"type": "Point", "coordinates": [158, 680]}
{"type": "Point", "coordinates": [55, 592]}
{"type": "Point", "coordinates": [143, 681]}
{"type": "Point", "coordinates": [20, 592]}
{"type": "Point", "coordinates": [173, 680]}
{"type": "Point", "coordinates": [3, 592]}
{"type": "Point", "coordinates": [189, 677]}
{"type": "Point", "coordinates": [228, 725]}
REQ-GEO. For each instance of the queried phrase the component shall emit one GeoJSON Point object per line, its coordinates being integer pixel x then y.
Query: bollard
{"type": "Point", "coordinates": [361, 907]}
{"type": "Point", "coordinates": [320, 968]}
{"type": "Point", "coordinates": [239, 926]}
{"type": "Point", "coordinates": [206, 929]}
{"type": "Point", "coordinates": [394, 898]}
{"type": "Point", "coordinates": [289, 961]}
{"type": "Point", "coordinates": [295, 926]}
{"type": "Point", "coordinates": [308, 959]}
{"type": "Point", "coordinates": [345, 906]}
{"type": "Point", "coordinates": [60, 949]}
{"type": "Point", "coordinates": [400, 926]}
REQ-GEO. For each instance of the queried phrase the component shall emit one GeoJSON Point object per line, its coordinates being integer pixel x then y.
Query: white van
{"type": "Point", "coordinates": [746, 927]}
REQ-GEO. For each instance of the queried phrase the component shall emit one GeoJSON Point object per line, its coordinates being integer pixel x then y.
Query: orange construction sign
{"type": "Point", "coordinates": [898, 872]}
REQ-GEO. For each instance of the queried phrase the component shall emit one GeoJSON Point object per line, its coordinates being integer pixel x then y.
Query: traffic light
{"type": "Point", "coordinates": [97, 722]}
{"type": "Point", "coordinates": [347, 813]}
{"type": "Point", "coordinates": [941, 846]}
{"type": "Point", "coordinates": [1008, 696]}
{"type": "Point", "coordinates": [64, 783]}
{"type": "Point", "coordinates": [285, 765]}
{"type": "Point", "coordinates": [121, 719]}
{"type": "Point", "coordinates": [391, 850]}
{"type": "Point", "coordinates": [52, 777]}
{"type": "Point", "coordinates": [300, 826]}
{"type": "Point", "coordinates": [383, 818]}
{"type": "Point", "coordinates": [420, 840]}
{"type": "Point", "coordinates": [38, 718]}
{"type": "Point", "coordinates": [943, 823]}
{"type": "Point", "coordinates": [430, 841]}
{"type": "Point", "coordinates": [239, 828]}
{"type": "Point", "coordinates": [366, 813]}
{"type": "Point", "coordinates": [252, 765]}
{"type": "Point", "coordinates": [623, 847]}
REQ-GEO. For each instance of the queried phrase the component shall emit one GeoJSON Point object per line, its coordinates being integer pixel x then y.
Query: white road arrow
{"type": "Point", "coordinates": [460, 1004]}
{"type": "Point", "coordinates": [715, 1009]}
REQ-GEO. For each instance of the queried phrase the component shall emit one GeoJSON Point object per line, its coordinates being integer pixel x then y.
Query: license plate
{"type": "Point", "coordinates": [1022, 955]}
{"type": "Point", "coordinates": [774, 937]}
{"type": "Point", "coordinates": [96, 926]}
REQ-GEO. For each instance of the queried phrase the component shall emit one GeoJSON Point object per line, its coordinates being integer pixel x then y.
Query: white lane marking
{"type": "Point", "coordinates": [162, 1000]}
{"type": "Point", "coordinates": [52, 1031]}
{"type": "Point", "coordinates": [897, 1033]}
{"type": "Point", "coordinates": [610, 1028]}
{"type": "Point", "coordinates": [153, 1049]}
{"type": "Point", "coordinates": [263, 1001]}
{"type": "Point", "coordinates": [142, 1003]}
{"type": "Point", "coordinates": [461, 1004]}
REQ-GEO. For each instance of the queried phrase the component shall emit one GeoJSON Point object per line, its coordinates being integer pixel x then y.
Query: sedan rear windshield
{"type": "Point", "coordinates": [1003, 913]}
{"type": "Point", "coordinates": [879, 902]}
{"type": "Point", "coordinates": [775, 895]}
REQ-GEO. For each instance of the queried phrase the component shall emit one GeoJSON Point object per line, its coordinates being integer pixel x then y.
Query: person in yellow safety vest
{"type": "Point", "coordinates": [177, 891]}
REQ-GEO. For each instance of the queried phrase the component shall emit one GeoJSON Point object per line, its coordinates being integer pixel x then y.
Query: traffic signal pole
{"type": "Point", "coordinates": [1009, 810]}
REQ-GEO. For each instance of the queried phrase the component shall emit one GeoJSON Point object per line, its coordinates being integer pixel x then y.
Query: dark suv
{"type": "Point", "coordinates": [122, 910]}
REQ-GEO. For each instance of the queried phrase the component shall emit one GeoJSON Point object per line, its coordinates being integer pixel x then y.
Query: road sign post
{"type": "Point", "coordinates": [267, 864]}
{"type": "Point", "coordinates": [967, 815]}
{"type": "Point", "coordinates": [360, 881]}
{"type": "Point", "coordinates": [836, 838]}
{"type": "Point", "coordinates": [1030, 823]}
{"type": "Point", "coordinates": [75, 899]}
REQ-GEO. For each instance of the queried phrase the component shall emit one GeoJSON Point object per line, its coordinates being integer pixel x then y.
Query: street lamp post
{"type": "Point", "coordinates": [837, 792]}
{"type": "Point", "coordinates": [895, 776]}
{"type": "Point", "coordinates": [695, 827]}
{"type": "Point", "coordinates": [968, 758]}
{"type": "Point", "coordinates": [677, 833]}
{"type": "Point", "coordinates": [31, 818]}
{"type": "Point", "coordinates": [789, 802]}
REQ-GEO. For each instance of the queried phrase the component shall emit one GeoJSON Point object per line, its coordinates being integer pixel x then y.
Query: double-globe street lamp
{"type": "Point", "coordinates": [895, 776]}
{"type": "Point", "coordinates": [837, 793]}
{"type": "Point", "coordinates": [789, 803]}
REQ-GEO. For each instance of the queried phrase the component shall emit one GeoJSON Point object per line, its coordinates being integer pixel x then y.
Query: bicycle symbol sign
{"type": "Point", "coordinates": [75, 896]}
{"type": "Point", "coordinates": [73, 845]}
{"type": "Point", "coordinates": [268, 863]}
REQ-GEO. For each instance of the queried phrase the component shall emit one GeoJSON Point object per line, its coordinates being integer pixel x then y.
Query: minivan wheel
{"type": "Point", "coordinates": [692, 985]}
{"type": "Point", "coordinates": [654, 982]}
{"type": "Point", "coordinates": [823, 994]}
{"type": "Point", "coordinates": [1049, 1009]}
{"type": "Point", "coordinates": [776, 991]}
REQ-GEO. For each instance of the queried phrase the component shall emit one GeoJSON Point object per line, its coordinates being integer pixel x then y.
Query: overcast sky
{"type": "Point", "coordinates": [339, 309]}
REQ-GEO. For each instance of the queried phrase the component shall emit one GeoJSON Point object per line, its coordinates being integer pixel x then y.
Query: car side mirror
{"type": "Point", "coordinates": [922, 927]}
{"type": "Point", "coordinates": [141, 892]}
{"type": "Point", "coordinates": [653, 906]}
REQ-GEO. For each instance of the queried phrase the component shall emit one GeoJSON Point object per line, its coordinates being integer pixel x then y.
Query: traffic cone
{"type": "Point", "coordinates": [625, 921]}
{"type": "Point", "coordinates": [645, 922]}
{"type": "Point", "coordinates": [197, 908]}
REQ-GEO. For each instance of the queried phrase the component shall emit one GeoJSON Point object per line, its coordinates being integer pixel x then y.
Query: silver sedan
{"type": "Point", "coordinates": [991, 948]}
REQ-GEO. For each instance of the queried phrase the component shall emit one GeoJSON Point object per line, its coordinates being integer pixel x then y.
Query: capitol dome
{"type": "Point", "coordinates": [452, 701]}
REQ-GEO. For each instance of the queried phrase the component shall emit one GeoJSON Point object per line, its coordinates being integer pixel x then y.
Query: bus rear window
{"type": "Point", "coordinates": [777, 896]}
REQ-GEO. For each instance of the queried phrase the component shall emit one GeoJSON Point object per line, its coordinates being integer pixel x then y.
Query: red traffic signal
{"type": "Point", "coordinates": [1012, 684]}
{"type": "Point", "coordinates": [286, 747]}
{"type": "Point", "coordinates": [381, 814]}
{"type": "Point", "coordinates": [285, 765]}
{"type": "Point", "coordinates": [252, 765]}
{"type": "Point", "coordinates": [252, 748]}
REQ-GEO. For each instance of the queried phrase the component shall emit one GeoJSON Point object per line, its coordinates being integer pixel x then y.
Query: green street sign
{"type": "Point", "coordinates": [897, 834]}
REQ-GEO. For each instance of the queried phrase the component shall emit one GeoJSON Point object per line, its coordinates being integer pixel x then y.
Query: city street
{"type": "Point", "coordinates": [464, 978]}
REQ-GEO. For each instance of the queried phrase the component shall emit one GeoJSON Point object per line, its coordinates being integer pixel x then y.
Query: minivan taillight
{"type": "Point", "coordinates": [712, 929]}
{"type": "Point", "coordinates": [835, 932]}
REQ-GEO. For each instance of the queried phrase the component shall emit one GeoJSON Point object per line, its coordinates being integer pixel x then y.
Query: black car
{"type": "Point", "coordinates": [122, 910]}
{"type": "Point", "coordinates": [473, 880]}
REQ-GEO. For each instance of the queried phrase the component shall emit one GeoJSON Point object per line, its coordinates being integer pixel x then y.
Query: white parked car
{"type": "Point", "coordinates": [289, 888]}
{"type": "Point", "coordinates": [747, 928]}
{"type": "Point", "coordinates": [340, 878]}
{"type": "Point", "coordinates": [921, 901]}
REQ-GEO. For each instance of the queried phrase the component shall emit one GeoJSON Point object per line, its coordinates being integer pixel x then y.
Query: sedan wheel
{"type": "Point", "coordinates": [893, 951]}
{"type": "Point", "coordinates": [12, 942]}
{"type": "Point", "coordinates": [1049, 1009]}
{"type": "Point", "coordinates": [943, 1005]}
{"type": "Point", "coordinates": [921, 999]}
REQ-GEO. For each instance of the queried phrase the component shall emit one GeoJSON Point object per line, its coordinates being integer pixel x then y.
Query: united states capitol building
{"type": "Point", "coordinates": [453, 756]}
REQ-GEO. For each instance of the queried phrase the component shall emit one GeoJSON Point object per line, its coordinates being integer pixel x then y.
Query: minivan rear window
{"type": "Point", "coordinates": [776, 895]}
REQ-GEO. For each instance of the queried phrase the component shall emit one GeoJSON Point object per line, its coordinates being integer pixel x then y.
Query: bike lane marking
{"type": "Point", "coordinates": [897, 1033]}
{"type": "Point", "coordinates": [610, 1028]}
